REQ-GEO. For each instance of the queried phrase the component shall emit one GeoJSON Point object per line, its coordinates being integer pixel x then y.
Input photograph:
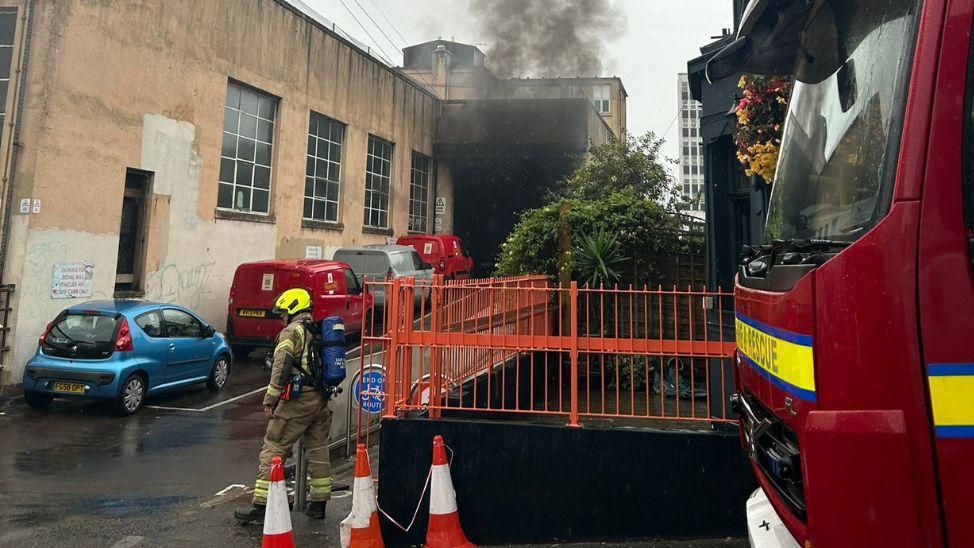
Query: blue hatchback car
{"type": "Point", "coordinates": [124, 350]}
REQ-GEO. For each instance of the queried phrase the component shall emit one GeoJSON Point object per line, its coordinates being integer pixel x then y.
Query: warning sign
{"type": "Point", "coordinates": [72, 280]}
{"type": "Point", "coordinates": [440, 205]}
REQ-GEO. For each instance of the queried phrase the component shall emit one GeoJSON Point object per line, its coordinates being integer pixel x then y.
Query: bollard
{"type": "Point", "coordinates": [300, 477]}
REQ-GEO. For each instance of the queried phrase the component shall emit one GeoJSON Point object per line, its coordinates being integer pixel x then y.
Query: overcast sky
{"type": "Point", "coordinates": [659, 38]}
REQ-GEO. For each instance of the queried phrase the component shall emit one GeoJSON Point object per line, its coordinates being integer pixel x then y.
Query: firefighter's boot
{"type": "Point", "coordinates": [254, 514]}
{"type": "Point", "coordinates": [316, 509]}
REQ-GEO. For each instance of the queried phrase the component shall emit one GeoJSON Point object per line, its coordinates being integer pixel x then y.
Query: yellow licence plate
{"type": "Point", "coordinates": [70, 387]}
{"type": "Point", "coordinates": [251, 313]}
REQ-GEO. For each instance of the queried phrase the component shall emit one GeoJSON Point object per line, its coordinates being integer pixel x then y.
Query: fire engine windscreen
{"type": "Point", "coordinates": [333, 350]}
{"type": "Point", "coordinates": [840, 138]}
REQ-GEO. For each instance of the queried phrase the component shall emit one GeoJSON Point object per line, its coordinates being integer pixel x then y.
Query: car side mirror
{"type": "Point", "coordinates": [208, 331]}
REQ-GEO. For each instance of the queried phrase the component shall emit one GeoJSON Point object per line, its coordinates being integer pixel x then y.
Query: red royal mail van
{"type": "Point", "coordinates": [442, 251]}
{"type": "Point", "coordinates": [251, 320]}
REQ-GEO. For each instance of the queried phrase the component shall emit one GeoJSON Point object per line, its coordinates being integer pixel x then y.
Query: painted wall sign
{"type": "Point", "coordinates": [312, 252]}
{"type": "Point", "coordinates": [72, 280]}
{"type": "Point", "coordinates": [267, 282]}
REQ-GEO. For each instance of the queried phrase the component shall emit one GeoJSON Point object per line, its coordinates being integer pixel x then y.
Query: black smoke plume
{"type": "Point", "coordinates": [546, 38]}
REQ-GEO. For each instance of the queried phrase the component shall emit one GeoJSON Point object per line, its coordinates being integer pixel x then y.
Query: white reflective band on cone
{"type": "Point", "coordinates": [764, 527]}
{"type": "Point", "coordinates": [277, 516]}
{"type": "Point", "coordinates": [363, 505]}
{"type": "Point", "coordinates": [443, 499]}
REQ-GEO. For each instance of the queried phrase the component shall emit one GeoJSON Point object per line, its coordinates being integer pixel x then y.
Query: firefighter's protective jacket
{"type": "Point", "coordinates": [289, 357]}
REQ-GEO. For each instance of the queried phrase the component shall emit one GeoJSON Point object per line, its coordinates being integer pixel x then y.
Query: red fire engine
{"type": "Point", "coordinates": [854, 368]}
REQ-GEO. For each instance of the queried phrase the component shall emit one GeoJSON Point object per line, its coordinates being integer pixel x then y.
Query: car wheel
{"type": "Point", "coordinates": [219, 374]}
{"type": "Point", "coordinates": [132, 394]}
{"type": "Point", "coordinates": [37, 400]}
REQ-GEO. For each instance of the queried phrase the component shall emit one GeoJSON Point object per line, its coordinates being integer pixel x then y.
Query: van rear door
{"type": "Point", "coordinates": [327, 288]}
{"type": "Point", "coordinates": [355, 307]}
{"type": "Point", "coordinates": [252, 317]}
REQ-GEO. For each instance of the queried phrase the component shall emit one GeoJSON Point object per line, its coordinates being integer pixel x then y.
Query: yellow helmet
{"type": "Point", "coordinates": [293, 301]}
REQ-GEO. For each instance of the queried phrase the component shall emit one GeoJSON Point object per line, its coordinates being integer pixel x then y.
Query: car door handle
{"type": "Point", "coordinates": [172, 346]}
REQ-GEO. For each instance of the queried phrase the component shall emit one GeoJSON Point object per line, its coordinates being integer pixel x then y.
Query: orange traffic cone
{"type": "Point", "coordinates": [277, 515]}
{"type": "Point", "coordinates": [444, 527]}
{"type": "Point", "coordinates": [361, 528]}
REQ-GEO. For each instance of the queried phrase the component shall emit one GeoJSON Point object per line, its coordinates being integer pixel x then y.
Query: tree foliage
{"type": "Point", "coordinates": [630, 165]}
{"type": "Point", "coordinates": [623, 191]}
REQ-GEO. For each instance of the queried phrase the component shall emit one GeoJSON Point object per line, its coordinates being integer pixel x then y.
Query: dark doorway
{"type": "Point", "coordinates": [131, 233]}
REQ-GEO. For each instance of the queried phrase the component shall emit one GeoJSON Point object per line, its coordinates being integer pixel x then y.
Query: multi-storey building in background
{"type": "Point", "coordinates": [690, 177]}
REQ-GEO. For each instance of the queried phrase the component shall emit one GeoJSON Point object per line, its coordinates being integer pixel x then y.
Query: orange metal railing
{"type": "Point", "coordinates": [523, 346]}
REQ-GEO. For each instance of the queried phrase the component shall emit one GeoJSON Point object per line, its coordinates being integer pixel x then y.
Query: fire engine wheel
{"type": "Point", "coordinates": [219, 374]}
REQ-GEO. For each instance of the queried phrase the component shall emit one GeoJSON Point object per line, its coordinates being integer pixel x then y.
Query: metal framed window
{"type": "Point", "coordinates": [322, 182]}
{"type": "Point", "coordinates": [8, 26]}
{"type": "Point", "coordinates": [245, 159]}
{"type": "Point", "coordinates": [600, 98]}
{"type": "Point", "coordinates": [378, 171]}
{"type": "Point", "coordinates": [419, 190]}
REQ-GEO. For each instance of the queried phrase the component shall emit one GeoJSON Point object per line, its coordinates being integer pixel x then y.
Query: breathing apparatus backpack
{"type": "Point", "coordinates": [326, 352]}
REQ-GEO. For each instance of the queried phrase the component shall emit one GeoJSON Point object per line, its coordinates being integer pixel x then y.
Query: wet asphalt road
{"type": "Point", "coordinates": [78, 475]}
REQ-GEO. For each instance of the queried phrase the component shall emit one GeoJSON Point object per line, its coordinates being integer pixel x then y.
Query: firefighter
{"type": "Point", "coordinates": [295, 408]}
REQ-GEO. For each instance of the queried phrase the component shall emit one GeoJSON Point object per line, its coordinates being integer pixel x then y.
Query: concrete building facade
{"type": "Point", "coordinates": [690, 177]}
{"type": "Point", "coordinates": [161, 143]}
{"type": "Point", "coordinates": [457, 72]}
{"type": "Point", "coordinates": [508, 142]}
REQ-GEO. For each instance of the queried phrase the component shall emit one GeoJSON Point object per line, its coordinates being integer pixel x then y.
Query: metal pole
{"type": "Point", "coordinates": [348, 415]}
{"type": "Point", "coordinates": [573, 353]}
{"type": "Point", "coordinates": [300, 477]}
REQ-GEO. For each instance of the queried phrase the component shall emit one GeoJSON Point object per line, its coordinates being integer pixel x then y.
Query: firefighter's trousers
{"type": "Point", "coordinates": [308, 418]}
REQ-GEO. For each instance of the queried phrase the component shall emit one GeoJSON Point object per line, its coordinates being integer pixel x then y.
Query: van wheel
{"type": "Point", "coordinates": [241, 352]}
{"type": "Point", "coordinates": [131, 396]}
{"type": "Point", "coordinates": [219, 374]}
{"type": "Point", "coordinates": [38, 400]}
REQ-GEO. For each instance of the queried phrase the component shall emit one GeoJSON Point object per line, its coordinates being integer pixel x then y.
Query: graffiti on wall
{"type": "Point", "coordinates": [182, 284]}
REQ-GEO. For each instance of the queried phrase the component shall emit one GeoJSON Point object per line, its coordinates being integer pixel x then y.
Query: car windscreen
{"type": "Point", "coordinates": [82, 335]}
{"type": "Point", "coordinates": [835, 169]}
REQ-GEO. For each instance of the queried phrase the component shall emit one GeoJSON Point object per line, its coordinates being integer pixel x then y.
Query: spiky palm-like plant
{"type": "Point", "coordinates": [597, 257]}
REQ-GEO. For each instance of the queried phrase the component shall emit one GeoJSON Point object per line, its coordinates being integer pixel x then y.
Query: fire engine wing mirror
{"type": "Point", "coordinates": [767, 43]}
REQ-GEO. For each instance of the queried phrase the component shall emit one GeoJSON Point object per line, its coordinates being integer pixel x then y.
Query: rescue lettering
{"type": "Point", "coordinates": [783, 356]}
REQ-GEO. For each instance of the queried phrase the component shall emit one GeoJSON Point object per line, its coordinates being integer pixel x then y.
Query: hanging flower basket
{"type": "Point", "coordinates": [760, 118]}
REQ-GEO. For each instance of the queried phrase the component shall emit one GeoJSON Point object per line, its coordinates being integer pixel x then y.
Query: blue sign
{"type": "Point", "coordinates": [367, 389]}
